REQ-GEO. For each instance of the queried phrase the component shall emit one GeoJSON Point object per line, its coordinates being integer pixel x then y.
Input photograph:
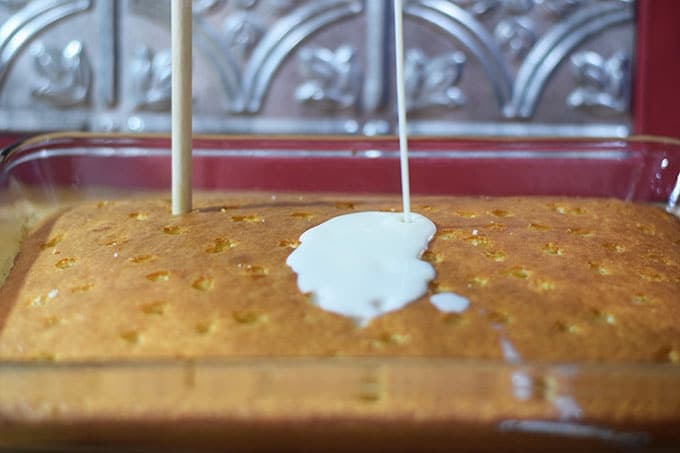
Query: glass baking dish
{"type": "Point", "coordinates": [313, 403]}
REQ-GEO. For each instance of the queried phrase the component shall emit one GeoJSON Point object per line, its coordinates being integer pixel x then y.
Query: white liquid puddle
{"type": "Point", "coordinates": [365, 264]}
{"type": "Point", "coordinates": [449, 302]}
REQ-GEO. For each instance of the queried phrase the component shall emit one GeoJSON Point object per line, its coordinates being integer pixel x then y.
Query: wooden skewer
{"type": "Point", "coordinates": [401, 108]}
{"type": "Point", "coordinates": [181, 105]}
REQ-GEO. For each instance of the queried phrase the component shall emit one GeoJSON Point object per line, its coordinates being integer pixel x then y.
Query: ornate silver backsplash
{"type": "Point", "coordinates": [473, 67]}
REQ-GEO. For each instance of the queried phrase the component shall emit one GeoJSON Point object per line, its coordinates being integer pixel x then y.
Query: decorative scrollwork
{"type": "Point", "coordinates": [242, 32]}
{"type": "Point", "coordinates": [510, 52]}
{"type": "Point", "coordinates": [245, 4]}
{"type": "Point", "coordinates": [560, 8]}
{"type": "Point", "coordinates": [518, 7]}
{"type": "Point", "coordinates": [431, 82]}
{"type": "Point", "coordinates": [27, 22]}
{"type": "Point", "coordinates": [281, 6]}
{"type": "Point", "coordinates": [331, 77]}
{"type": "Point", "coordinates": [13, 4]}
{"type": "Point", "coordinates": [479, 7]}
{"type": "Point", "coordinates": [245, 52]}
{"type": "Point", "coordinates": [151, 74]}
{"type": "Point", "coordinates": [64, 75]}
{"type": "Point", "coordinates": [556, 45]}
{"type": "Point", "coordinates": [512, 7]}
{"type": "Point", "coordinates": [516, 36]}
{"type": "Point", "coordinates": [281, 39]}
{"type": "Point", "coordinates": [604, 84]}
{"type": "Point", "coordinates": [205, 7]}
{"type": "Point", "coordinates": [277, 6]}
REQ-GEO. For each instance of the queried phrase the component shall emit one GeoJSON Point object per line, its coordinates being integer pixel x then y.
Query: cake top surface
{"type": "Point", "coordinates": [558, 279]}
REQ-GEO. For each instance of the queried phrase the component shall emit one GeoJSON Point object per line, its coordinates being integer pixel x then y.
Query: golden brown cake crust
{"type": "Point", "coordinates": [559, 279]}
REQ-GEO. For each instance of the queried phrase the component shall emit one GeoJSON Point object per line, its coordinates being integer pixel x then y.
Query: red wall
{"type": "Point", "coordinates": [656, 95]}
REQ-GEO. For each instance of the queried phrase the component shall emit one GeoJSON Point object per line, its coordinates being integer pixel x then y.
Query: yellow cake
{"type": "Point", "coordinates": [558, 279]}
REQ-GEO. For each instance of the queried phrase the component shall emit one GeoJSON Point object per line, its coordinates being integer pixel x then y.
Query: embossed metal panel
{"type": "Point", "coordinates": [474, 67]}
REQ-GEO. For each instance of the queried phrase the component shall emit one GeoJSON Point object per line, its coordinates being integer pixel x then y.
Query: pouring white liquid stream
{"type": "Point", "coordinates": [401, 108]}
{"type": "Point", "coordinates": [365, 264]}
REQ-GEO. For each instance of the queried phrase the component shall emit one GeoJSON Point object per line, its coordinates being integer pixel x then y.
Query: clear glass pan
{"type": "Point", "coordinates": [317, 403]}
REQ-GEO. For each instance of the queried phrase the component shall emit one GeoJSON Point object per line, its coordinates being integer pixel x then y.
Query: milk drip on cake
{"type": "Point", "coordinates": [365, 264]}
